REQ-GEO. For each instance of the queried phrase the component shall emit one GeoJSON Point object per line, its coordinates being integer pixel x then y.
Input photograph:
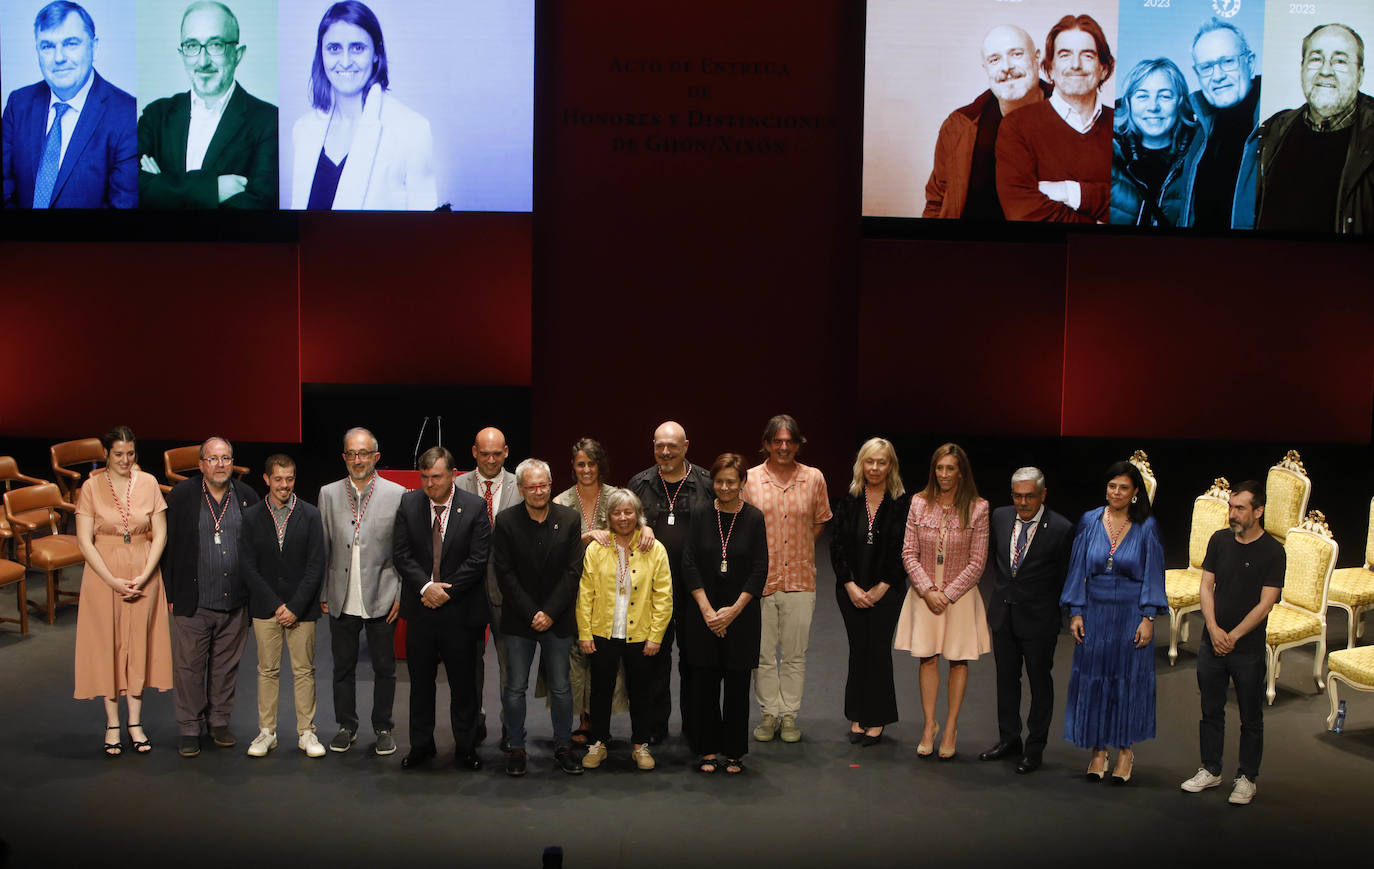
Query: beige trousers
{"type": "Point", "coordinates": [782, 651]}
{"type": "Point", "coordinates": [300, 642]}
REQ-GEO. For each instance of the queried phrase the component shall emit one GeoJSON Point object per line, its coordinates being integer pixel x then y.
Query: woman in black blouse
{"type": "Point", "coordinates": [866, 554]}
{"type": "Point", "coordinates": [724, 566]}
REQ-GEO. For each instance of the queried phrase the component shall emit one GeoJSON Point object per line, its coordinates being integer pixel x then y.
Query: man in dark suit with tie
{"type": "Point", "coordinates": [214, 146]}
{"type": "Point", "coordinates": [1028, 555]}
{"type": "Point", "coordinates": [440, 550]}
{"type": "Point", "coordinates": [70, 140]}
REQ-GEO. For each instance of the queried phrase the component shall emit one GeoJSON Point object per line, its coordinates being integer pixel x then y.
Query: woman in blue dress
{"type": "Point", "coordinates": [1114, 590]}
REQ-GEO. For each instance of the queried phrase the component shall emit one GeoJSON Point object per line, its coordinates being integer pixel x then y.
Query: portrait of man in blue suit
{"type": "Point", "coordinates": [71, 140]}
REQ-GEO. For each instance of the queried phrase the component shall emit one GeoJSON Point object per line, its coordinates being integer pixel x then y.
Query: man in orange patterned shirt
{"type": "Point", "coordinates": [795, 508]}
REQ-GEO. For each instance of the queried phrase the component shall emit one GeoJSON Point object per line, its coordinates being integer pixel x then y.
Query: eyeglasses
{"type": "Point", "coordinates": [214, 48]}
{"type": "Point", "coordinates": [1316, 61]}
{"type": "Point", "coordinates": [1230, 63]}
{"type": "Point", "coordinates": [358, 454]}
{"type": "Point", "coordinates": [538, 487]}
{"type": "Point", "coordinates": [219, 460]}
{"type": "Point", "coordinates": [782, 442]}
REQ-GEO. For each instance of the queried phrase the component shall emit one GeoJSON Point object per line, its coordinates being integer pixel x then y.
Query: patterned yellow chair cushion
{"type": "Point", "coordinates": [1354, 664]}
{"type": "Point", "coordinates": [1309, 559]}
{"type": "Point", "coordinates": [1289, 625]}
{"type": "Point", "coordinates": [1352, 586]}
{"type": "Point", "coordinates": [1183, 587]}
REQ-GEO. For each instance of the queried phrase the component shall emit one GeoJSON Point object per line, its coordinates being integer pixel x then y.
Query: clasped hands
{"type": "Point", "coordinates": [718, 620]}
{"type": "Point", "coordinates": [229, 185]}
{"type": "Point", "coordinates": [865, 599]}
{"type": "Point", "coordinates": [1222, 641]}
{"type": "Point", "coordinates": [434, 596]}
{"type": "Point", "coordinates": [936, 601]}
{"type": "Point", "coordinates": [588, 647]}
{"type": "Point", "coordinates": [129, 590]}
{"type": "Point", "coordinates": [285, 617]}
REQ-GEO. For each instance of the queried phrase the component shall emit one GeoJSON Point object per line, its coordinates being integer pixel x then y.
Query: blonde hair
{"type": "Point", "coordinates": [967, 492]}
{"type": "Point", "coordinates": [895, 489]}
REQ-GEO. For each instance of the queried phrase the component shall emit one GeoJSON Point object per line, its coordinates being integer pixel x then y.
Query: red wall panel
{"type": "Point", "coordinates": [177, 341]}
{"type": "Point", "coordinates": [713, 288]}
{"type": "Point", "coordinates": [961, 337]}
{"type": "Point", "coordinates": [1241, 339]}
{"type": "Point", "coordinates": [415, 298]}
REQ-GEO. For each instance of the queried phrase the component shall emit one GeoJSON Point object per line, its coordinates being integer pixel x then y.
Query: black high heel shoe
{"type": "Point", "coordinates": [116, 748]}
{"type": "Point", "coordinates": [142, 746]}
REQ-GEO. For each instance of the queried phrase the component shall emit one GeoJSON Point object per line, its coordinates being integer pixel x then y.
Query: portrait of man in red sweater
{"type": "Point", "coordinates": [1054, 157]}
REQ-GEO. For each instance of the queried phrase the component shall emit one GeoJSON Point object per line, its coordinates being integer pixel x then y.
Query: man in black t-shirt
{"type": "Point", "coordinates": [1242, 577]}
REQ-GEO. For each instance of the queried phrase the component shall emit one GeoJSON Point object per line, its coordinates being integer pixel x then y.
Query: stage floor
{"type": "Point", "coordinates": [821, 802]}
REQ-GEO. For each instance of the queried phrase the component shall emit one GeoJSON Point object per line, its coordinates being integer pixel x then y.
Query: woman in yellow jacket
{"type": "Point", "coordinates": [624, 603]}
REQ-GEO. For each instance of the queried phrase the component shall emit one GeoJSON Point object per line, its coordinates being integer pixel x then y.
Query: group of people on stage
{"type": "Point", "coordinates": [601, 580]}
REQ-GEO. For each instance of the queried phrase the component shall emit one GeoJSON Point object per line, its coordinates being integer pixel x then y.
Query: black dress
{"type": "Point", "coordinates": [723, 727]}
{"type": "Point", "coordinates": [869, 696]}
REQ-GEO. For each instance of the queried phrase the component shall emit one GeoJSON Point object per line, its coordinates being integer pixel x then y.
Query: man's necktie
{"type": "Point", "coordinates": [1020, 545]}
{"type": "Point", "coordinates": [437, 538]}
{"type": "Point", "coordinates": [51, 162]}
{"type": "Point", "coordinates": [490, 516]}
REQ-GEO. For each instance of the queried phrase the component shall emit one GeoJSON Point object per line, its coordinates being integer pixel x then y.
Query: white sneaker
{"type": "Point", "coordinates": [1243, 792]}
{"type": "Point", "coordinates": [265, 741]}
{"type": "Point", "coordinates": [1201, 781]}
{"type": "Point", "coordinates": [310, 744]}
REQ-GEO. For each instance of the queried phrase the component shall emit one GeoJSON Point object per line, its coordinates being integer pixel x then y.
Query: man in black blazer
{"type": "Point", "coordinates": [207, 594]}
{"type": "Point", "coordinates": [1028, 555]}
{"type": "Point", "coordinates": [281, 552]}
{"type": "Point", "coordinates": [214, 146]}
{"type": "Point", "coordinates": [537, 557]}
{"type": "Point", "coordinates": [440, 550]}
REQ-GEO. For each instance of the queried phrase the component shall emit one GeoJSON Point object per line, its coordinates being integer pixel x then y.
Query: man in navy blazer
{"type": "Point", "coordinates": [1028, 557]}
{"type": "Point", "coordinates": [444, 602]}
{"type": "Point", "coordinates": [92, 124]}
{"type": "Point", "coordinates": [214, 146]}
{"type": "Point", "coordinates": [281, 554]}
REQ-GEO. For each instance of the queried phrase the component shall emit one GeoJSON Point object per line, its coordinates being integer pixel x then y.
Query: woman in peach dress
{"type": "Point", "coordinates": [944, 551]}
{"type": "Point", "coordinates": [123, 643]}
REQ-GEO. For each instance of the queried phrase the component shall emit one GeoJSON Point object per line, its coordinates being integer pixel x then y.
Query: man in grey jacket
{"type": "Point", "coordinates": [361, 586]}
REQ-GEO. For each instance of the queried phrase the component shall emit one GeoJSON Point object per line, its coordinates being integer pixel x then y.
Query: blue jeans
{"type": "Point", "coordinates": [553, 660]}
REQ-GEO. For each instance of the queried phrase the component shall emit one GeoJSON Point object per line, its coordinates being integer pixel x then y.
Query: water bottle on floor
{"type": "Point", "coordinates": [1340, 718]}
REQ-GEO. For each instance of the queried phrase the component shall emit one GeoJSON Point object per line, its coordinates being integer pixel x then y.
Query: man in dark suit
{"type": "Point", "coordinates": [214, 146]}
{"type": "Point", "coordinates": [70, 140]}
{"type": "Point", "coordinates": [496, 486]}
{"type": "Point", "coordinates": [440, 550]}
{"type": "Point", "coordinates": [281, 551]}
{"type": "Point", "coordinates": [1028, 555]}
{"type": "Point", "coordinates": [207, 594]}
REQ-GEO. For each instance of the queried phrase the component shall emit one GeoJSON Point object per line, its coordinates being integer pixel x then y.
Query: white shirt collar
{"type": "Point", "coordinates": [78, 100]}
{"type": "Point", "coordinates": [1071, 115]}
{"type": "Point", "coordinates": [199, 105]}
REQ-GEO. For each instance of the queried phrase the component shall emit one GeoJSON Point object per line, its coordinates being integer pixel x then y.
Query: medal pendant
{"type": "Point", "coordinates": [671, 519]}
{"type": "Point", "coordinates": [940, 558]}
{"type": "Point", "coordinates": [870, 538]}
{"type": "Point", "coordinates": [724, 565]}
{"type": "Point", "coordinates": [218, 539]}
{"type": "Point", "coordinates": [1109, 564]}
{"type": "Point", "coordinates": [126, 536]}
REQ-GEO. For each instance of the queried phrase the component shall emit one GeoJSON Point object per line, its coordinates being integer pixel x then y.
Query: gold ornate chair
{"type": "Point", "coordinates": [1299, 617]}
{"type": "Point", "coordinates": [48, 553]}
{"type": "Point", "coordinates": [1354, 667]}
{"type": "Point", "coordinates": [1352, 588]}
{"type": "Point", "coordinates": [1183, 586]}
{"type": "Point", "coordinates": [1286, 491]}
{"type": "Point", "coordinates": [1142, 464]}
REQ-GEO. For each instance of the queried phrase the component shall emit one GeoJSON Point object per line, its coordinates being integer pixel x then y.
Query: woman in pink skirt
{"type": "Point", "coordinates": [944, 551]}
